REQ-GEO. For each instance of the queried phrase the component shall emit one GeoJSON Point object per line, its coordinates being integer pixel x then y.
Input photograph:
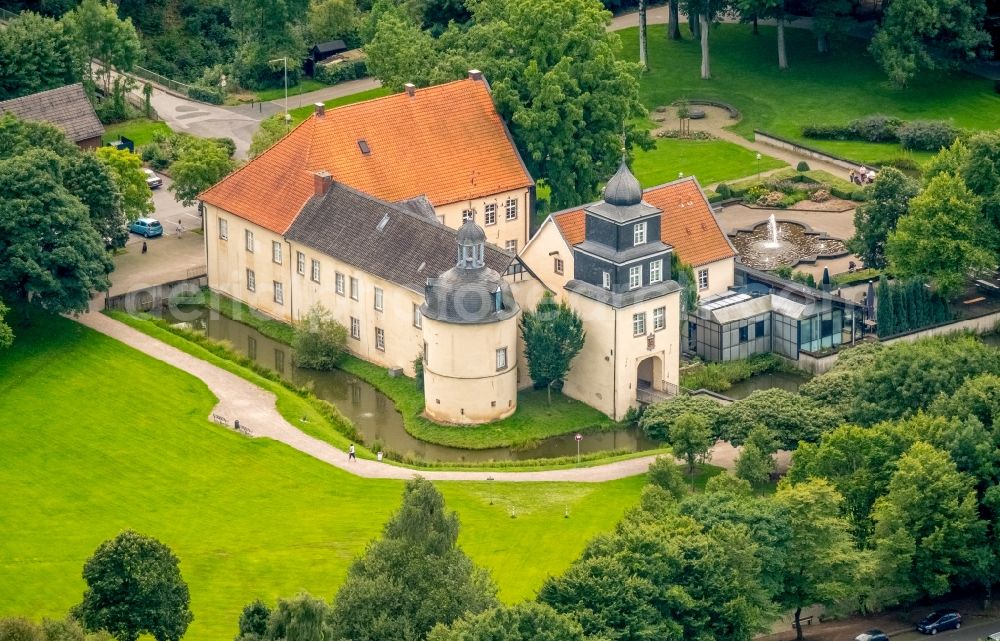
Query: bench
{"type": "Point", "coordinates": [807, 620]}
{"type": "Point", "coordinates": [986, 283]}
{"type": "Point", "coordinates": [221, 420]}
{"type": "Point", "coordinates": [971, 301]}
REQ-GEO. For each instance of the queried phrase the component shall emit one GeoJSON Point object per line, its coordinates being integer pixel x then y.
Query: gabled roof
{"type": "Point", "coordinates": [332, 46]}
{"type": "Point", "coordinates": [687, 222]}
{"type": "Point", "coordinates": [382, 239]}
{"type": "Point", "coordinates": [66, 107]}
{"type": "Point", "coordinates": [445, 142]}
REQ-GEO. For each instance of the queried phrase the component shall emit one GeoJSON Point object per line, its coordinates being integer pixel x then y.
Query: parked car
{"type": "Point", "coordinates": [940, 620]}
{"type": "Point", "coordinates": [152, 179]}
{"type": "Point", "coordinates": [872, 635]}
{"type": "Point", "coordinates": [995, 636]}
{"type": "Point", "coordinates": [147, 227]}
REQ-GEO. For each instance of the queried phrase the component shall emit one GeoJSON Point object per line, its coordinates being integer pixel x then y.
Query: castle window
{"type": "Point", "coordinates": [635, 277]}
{"type": "Point", "coordinates": [418, 319]}
{"type": "Point", "coordinates": [223, 229]}
{"type": "Point", "coordinates": [558, 266]}
{"type": "Point", "coordinates": [638, 324]}
{"type": "Point", "coordinates": [315, 271]}
{"type": "Point", "coordinates": [639, 234]}
{"type": "Point", "coordinates": [380, 339]}
{"type": "Point", "coordinates": [659, 318]}
{"type": "Point", "coordinates": [510, 246]}
{"type": "Point", "coordinates": [490, 214]}
{"type": "Point", "coordinates": [468, 214]}
{"type": "Point", "coordinates": [339, 280]}
{"type": "Point", "coordinates": [355, 288]}
{"type": "Point", "coordinates": [656, 271]}
{"type": "Point", "coordinates": [501, 359]}
{"type": "Point", "coordinates": [300, 262]}
{"type": "Point", "coordinates": [702, 279]}
{"type": "Point", "coordinates": [355, 328]}
{"type": "Point", "coordinates": [276, 251]}
{"type": "Point", "coordinates": [251, 281]}
{"type": "Point", "coordinates": [606, 280]}
{"type": "Point", "coordinates": [279, 293]}
{"type": "Point", "coordinates": [379, 299]}
{"type": "Point", "coordinates": [511, 206]}
{"type": "Point", "coordinates": [249, 240]}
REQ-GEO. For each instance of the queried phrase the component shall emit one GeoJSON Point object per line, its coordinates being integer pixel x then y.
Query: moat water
{"type": "Point", "coordinates": [374, 414]}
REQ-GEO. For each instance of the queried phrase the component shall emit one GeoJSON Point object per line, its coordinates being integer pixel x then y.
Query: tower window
{"type": "Point", "coordinates": [558, 266]}
{"type": "Point", "coordinates": [635, 277]}
{"type": "Point", "coordinates": [606, 280]}
{"type": "Point", "coordinates": [639, 234]}
{"type": "Point", "coordinates": [656, 271]}
{"type": "Point", "coordinates": [501, 359]}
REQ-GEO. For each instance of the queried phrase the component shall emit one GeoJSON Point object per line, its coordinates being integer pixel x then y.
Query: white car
{"type": "Point", "coordinates": [152, 179]}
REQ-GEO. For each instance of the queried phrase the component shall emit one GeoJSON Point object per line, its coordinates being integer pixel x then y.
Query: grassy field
{"type": "Point", "coordinates": [96, 437]}
{"type": "Point", "coordinates": [140, 131]}
{"type": "Point", "coordinates": [301, 113]}
{"type": "Point", "coordinates": [305, 86]}
{"type": "Point", "coordinates": [832, 88]}
{"type": "Point", "coordinates": [711, 161]}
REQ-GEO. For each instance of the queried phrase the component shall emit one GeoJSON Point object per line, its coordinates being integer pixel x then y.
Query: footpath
{"type": "Point", "coordinates": [255, 409]}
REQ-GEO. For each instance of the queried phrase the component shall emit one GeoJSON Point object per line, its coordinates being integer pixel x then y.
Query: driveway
{"type": "Point", "coordinates": [169, 257]}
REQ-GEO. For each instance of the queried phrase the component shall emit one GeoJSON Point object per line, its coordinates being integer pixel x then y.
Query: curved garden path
{"type": "Point", "coordinates": [255, 408]}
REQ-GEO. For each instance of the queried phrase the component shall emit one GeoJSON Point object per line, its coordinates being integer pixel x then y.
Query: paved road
{"type": "Point", "coordinates": [971, 630]}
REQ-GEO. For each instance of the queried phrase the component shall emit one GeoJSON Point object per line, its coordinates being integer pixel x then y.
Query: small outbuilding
{"type": "Point", "coordinates": [67, 107]}
{"type": "Point", "coordinates": [322, 51]}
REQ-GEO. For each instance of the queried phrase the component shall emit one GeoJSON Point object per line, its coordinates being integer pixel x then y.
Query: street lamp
{"type": "Point", "coordinates": [284, 61]}
{"type": "Point", "coordinates": [579, 437]}
{"type": "Point", "coordinates": [758, 165]}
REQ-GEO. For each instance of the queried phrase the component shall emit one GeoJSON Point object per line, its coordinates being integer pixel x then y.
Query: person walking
{"type": "Point", "coordinates": [350, 453]}
{"type": "Point", "coordinates": [144, 248]}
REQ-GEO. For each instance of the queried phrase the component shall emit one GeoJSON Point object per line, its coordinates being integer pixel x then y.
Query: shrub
{"type": "Point", "coordinates": [227, 144]}
{"type": "Point", "coordinates": [819, 196]}
{"type": "Point", "coordinates": [828, 132]}
{"type": "Point", "coordinates": [211, 95]}
{"type": "Point", "coordinates": [876, 128]}
{"type": "Point", "coordinates": [331, 74]}
{"type": "Point", "coordinates": [802, 166]}
{"type": "Point", "coordinates": [657, 420]}
{"type": "Point", "coordinates": [771, 199]}
{"type": "Point", "coordinates": [755, 193]}
{"type": "Point", "coordinates": [724, 190]}
{"type": "Point", "coordinates": [902, 163]}
{"type": "Point", "coordinates": [320, 341]}
{"type": "Point", "coordinates": [156, 156]}
{"type": "Point", "coordinates": [927, 135]}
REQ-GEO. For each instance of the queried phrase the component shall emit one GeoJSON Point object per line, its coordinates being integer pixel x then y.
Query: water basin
{"type": "Point", "coordinates": [373, 413]}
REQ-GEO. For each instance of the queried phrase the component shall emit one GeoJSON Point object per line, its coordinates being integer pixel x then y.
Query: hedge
{"type": "Point", "coordinates": [340, 72]}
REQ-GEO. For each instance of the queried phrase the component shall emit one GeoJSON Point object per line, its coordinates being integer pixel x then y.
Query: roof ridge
{"type": "Point", "coordinates": [43, 92]}
{"type": "Point", "coordinates": [250, 161]}
{"type": "Point", "coordinates": [397, 94]}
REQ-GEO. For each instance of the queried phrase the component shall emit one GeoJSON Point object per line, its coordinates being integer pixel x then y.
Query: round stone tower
{"type": "Point", "coordinates": [470, 338]}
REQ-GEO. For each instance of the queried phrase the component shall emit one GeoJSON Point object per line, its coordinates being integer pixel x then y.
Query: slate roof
{"type": "Point", "coordinates": [446, 142]}
{"type": "Point", "coordinates": [407, 250]}
{"type": "Point", "coordinates": [66, 107]}
{"type": "Point", "coordinates": [332, 46]}
{"type": "Point", "coordinates": [686, 223]}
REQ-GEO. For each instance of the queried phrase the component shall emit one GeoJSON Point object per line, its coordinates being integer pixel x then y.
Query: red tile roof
{"type": "Point", "coordinates": [687, 223]}
{"type": "Point", "coordinates": [445, 142]}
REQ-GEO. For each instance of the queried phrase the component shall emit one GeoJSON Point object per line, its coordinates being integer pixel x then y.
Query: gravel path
{"type": "Point", "coordinates": [255, 408]}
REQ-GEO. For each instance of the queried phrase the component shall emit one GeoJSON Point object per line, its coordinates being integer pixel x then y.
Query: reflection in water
{"type": "Point", "coordinates": [788, 381]}
{"type": "Point", "coordinates": [373, 414]}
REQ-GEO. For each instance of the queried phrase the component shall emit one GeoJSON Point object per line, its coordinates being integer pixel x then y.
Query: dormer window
{"type": "Point", "coordinates": [498, 300]}
{"type": "Point", "coordinates": [639, 233]}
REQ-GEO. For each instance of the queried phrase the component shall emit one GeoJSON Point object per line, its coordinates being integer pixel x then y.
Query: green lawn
{"type": "Point", "coordinates": [711, 161]}
{"type": "Point", "coordinates": [96, 437]}
{"type": "Point", "coordinates": [301, 113]}
{"type": "Point", "coordinates": [831, 88]}
{"type": "Point", "coordinates": [140, 131]}
{"type": "Point", "coordinates": [305, 86]}
{"type": "Point", "coordinates": [534, 419]}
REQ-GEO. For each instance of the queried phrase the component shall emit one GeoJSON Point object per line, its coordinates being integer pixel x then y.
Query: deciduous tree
{"type": "Point", "coordinates": [320, 341]}
{"type": "Point", "coordinates": [412, 578]}
{"type": "Point", "coordinates": [658, 419]}
{"type": "Point", "coordinates": [944, 238]}
{"type": "Point", "coordinates": [876, 218]}
{"type": "Point", "coordinates": [928, 534]}
{"type": "Point", "coordinates": [6, 333]}
{"type": "Point", "coordinates": [708, 12]}
{"type": "Point", "coordinates": [820, 558]}
{"type": "Point", "coordinates": [917, 35]}
{"type": "Point", "coordinates": [756, 460]}
{"type": "Point", "coordinates": [200, 164]}
{"type": "Point", "coordinates": [691, 439]}
{"type": "Point", "coordinates": [92, 182]}
{"type": "Point", "coordinates": [553, 336]}
{"type": "Point", "coordinates": [751, 10]}
{"type": "Point", "coordinates": [302, 618]}
{"type": "Point", "coordinates": [98, 33]}
{"type": "Point", "coordinates": [134, 586]}
{"type": "Point", "coordinates": [790, 417]}
{"type": "Point", "coordinates": [126, 170]}
{"type": "Point", "coordinates": [36, 54]}
{"type": "Point", "coordinates": [253, 621]}
{"type": "Point", "coordinates": [664, 474]}
{"type": "Point", "coordinates": [525, 621]}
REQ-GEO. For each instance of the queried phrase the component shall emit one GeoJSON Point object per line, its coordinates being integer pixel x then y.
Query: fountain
{"type": "Point", "coordinates": [772, 226]}
{"type": "Point", "coordinates": [772, 244]}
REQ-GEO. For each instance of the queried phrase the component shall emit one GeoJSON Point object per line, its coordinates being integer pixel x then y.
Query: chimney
{"type": "Point", "coordinates": [410, 89]}
{"type": "Point", "coordinates": [321, 182]}
{"type": "Point", "coordinates": [320, 109]}
{"type": "Point", "coordinates": [475, 74]}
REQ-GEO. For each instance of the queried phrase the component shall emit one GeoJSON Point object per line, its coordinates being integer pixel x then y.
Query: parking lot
{"type": "Point", "coordinates": [169, 257]}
